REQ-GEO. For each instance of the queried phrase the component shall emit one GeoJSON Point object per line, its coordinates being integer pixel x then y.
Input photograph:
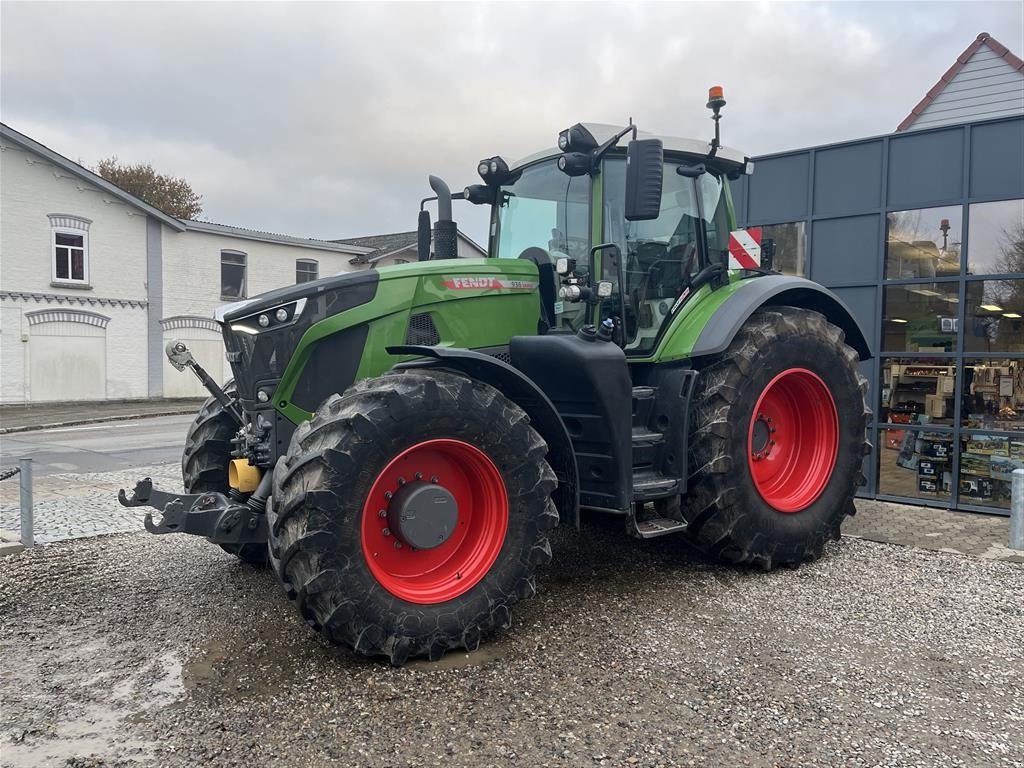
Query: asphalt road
{"type": "Point", "coordinates": [107, 447]}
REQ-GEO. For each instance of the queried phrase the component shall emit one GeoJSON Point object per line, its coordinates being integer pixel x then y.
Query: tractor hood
{"type": "Point", "coordinates": [292, 293]}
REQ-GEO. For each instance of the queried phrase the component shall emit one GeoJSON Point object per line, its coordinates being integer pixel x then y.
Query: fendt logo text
{"type": "Point", "coordinates": [478, 283]}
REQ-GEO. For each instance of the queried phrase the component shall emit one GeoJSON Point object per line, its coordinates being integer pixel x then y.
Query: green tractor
{"type": "Point", "coordinates": [398, 443]}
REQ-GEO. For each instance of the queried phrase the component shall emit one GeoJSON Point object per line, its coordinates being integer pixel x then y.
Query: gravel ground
{"type": "Point", "coordinates": [139, 650]}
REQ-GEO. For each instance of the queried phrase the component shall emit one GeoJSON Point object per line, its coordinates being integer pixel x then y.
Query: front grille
{"type": "Point", "coordinates": [422, 331]}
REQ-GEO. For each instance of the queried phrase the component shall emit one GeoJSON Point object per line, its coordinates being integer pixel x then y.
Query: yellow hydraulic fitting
{"type": "Point", "coordinates": [243, 476]}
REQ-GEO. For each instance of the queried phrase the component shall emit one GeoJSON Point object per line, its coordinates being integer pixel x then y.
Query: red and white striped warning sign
{"type": "Point", "coordinates": [745, 248]}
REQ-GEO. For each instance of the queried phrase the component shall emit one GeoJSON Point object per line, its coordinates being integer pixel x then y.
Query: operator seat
{"type": "Point", "coordinates": [548, 287]}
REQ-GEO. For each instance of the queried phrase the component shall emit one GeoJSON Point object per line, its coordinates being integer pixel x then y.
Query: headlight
{"type": "Point", "coordinates": [482, 169]}
{"type": "Point", "coordinates": [269, 319]}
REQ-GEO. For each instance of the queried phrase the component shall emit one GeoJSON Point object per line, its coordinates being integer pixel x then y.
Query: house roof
{"type": "Point", "coordinates": [85, 174]}
{"type": "Point", "coordinates": [212, 228]}
{"type": "Point", "coordinates": [383, 246]}
{"type": "Point", "coordinates": [982, 40]}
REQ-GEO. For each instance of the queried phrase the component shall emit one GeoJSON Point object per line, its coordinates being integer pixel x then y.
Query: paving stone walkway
{"type": "Point", "coordinates": [75, 506]}
{"type": "Point", "coordinates": [72, 506]}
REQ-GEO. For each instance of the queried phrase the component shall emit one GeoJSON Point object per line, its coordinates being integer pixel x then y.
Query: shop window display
{"type": "Point", "coordinates": [916, 463]}
{"type": "Point", "coordinates": [993, 396]}
{"type": "Point", "coordinates": [918, 391]}
{"type": "Point", "coordinates": [986, 465]}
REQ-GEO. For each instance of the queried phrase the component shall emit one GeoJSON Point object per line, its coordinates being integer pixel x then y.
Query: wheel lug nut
{"type": "Point", "coordinates": [388, 494]}
{"type": "Point", "coordinates": [401, 481]}
{"type": "Point", "coordinates": [382, 513]}
{"type": "Point", "coordinates": [386, 531]}
{"type": "Point", "coordinates": [398, 545]}
{"type": "Point", "coordinates": [434, 479]}
{"type": "Point", "coordinates": [419, 475]}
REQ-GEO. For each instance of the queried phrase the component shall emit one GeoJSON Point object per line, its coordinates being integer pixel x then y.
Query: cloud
{"type": "Point", "coordinates": [324, 119]}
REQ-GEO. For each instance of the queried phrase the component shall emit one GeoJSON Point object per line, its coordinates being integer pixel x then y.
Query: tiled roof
{"type": "Point", "coordinates": [381, 245]}
{"type": "Point", "coordinates": [983, 39]}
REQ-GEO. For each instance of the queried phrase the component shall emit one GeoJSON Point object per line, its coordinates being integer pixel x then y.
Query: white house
{"type": "Point", "coordinates": [94, 281]}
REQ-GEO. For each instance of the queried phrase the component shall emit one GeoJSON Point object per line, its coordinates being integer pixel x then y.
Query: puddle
{"type": "Point", "coordinates": [94, 732]}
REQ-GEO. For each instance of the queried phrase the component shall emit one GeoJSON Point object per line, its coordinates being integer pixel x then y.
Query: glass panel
{"type": "Point", "coordinates": [61, 256]}
{"type": "Point", "coordinates": [993, 396]}
{"type": "Point", "coordinates": [923, 243]}
{"type": "Point", "coordinates": [306, 271]}
{"type": "Point", "coordinates": [997, 237]}
{"type": "Point", "coordinates": [915, 463]}
{"type": "Point", "coordinates": [986, 464]}
{"type": "Point", "coordinates": [918, 391]}
{"type": "Point", "coordinates": [995, 316]}
{"type": "Point", "coordinates": [787, 245]}
{"type": "Point", "coordinates": [920, 318]}
{"type": "Point", "coordinates": [77, 241]}
{"type": "Point", "coordinates": [77, 264]}
{"type": "Point", "coordinates": [546, 209]}
{"type": "Point", "coordinates": [232, 258]}
{"type": "Point", "coordinates": [232, 280]}
{"type": "Point", "coordinates": [659, 254]}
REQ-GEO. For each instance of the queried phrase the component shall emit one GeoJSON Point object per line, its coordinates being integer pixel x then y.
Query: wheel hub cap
{"type": "Point", "coordinates": [793, 440]}
{"type": "Point", "coordinates": [423, 515]}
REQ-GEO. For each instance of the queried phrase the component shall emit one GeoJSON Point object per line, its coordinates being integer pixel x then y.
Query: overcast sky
{"type": "Point", "coordinates": [324, 119]}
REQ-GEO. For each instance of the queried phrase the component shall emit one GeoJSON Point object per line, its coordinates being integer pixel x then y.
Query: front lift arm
{"type": "Point", "coordinates": [218, 517]}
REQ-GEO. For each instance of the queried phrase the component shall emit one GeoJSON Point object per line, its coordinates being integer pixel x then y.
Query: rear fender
{"type": "Point", "coordinates": [524, 393]}
{"type": "Point", "coordinates": [776, 290]}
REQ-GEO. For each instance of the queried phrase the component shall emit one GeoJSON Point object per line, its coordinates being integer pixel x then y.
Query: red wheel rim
{"type": "Point", "coordinates": [436, 575]}
{"type": "Point", "coordinates": [793, 440]}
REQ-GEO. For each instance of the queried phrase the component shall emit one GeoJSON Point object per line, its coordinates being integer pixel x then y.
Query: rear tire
{"type": "Point", "coordinates": [741, 507]}
{"type": "Point", "coordinates": [204, 465]}
{"type": "Point", "coordinates": [352, 578]}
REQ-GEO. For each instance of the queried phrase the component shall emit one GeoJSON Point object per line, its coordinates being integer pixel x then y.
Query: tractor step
{"type": "Point", "coordinates": [661, 526]}
{"type": "Point", "coordinates": [649, 485]}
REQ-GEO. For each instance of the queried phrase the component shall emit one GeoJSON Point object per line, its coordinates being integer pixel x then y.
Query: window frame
{"type": "Point", "coordinates": [69, 280]}
{"type": "Point", "coordinates": [244, 293]}
{"type": "Point", "coordinates": [307, 262]}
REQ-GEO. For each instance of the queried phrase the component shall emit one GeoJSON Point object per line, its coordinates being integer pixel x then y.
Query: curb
{"type": "Point", "coordinates": [92, 420]}
{"type": "Point", "coordinates": [10, 548]}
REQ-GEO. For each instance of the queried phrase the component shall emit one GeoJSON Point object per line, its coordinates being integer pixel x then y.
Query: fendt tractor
{"type": "Point", "coordinates": [399, 442]}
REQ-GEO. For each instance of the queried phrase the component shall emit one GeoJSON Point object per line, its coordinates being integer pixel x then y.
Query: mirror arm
{"type": "Point", "coordinates": [602, 150]}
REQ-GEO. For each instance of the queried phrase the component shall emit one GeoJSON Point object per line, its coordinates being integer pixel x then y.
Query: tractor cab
{"type": "Point", "coordinates": [615, 261]}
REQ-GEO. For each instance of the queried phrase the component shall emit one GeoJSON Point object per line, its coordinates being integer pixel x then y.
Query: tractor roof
{"type": "Point", "coordinates": [602, 132]}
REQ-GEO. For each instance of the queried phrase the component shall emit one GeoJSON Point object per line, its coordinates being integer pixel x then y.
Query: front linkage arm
{"type": "Point", "coordinates": [181, 358]}
{"type": "Point", "coordinates": [219, 518]}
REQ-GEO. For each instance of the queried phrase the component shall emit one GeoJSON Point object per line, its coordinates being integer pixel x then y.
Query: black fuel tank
{"type": "Point", "coordinates": [588, 381]}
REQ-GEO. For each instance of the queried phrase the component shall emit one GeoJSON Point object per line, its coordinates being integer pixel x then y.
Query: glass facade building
{"type": "Point", "coordinates": [922, 235]}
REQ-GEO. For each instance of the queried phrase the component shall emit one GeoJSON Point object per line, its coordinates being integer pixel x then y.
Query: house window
{"type": "Point", "coordinates": [306, 270]}
{"type": "Point", "coordinates": [232, 275]}
{"type": "Point", "coordinates": [70, 248]}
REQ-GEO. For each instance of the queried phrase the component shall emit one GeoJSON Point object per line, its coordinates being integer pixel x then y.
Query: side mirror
{"type": "Point", "coordinates": [423, 236]}
{"type": "Point", "coordinates": [645, 166]}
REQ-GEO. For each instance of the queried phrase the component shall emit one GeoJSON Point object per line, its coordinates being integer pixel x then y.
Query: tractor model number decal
{"type": "Point", "coordinates": [473, 283]}
{"type": "Point", "coordinates": [745, 248]}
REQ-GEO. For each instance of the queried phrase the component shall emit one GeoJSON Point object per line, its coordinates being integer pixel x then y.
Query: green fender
{"type": "Point", "coordinates": [708, 325]}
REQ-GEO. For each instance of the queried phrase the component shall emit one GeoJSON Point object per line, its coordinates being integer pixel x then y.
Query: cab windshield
{"type": "Point", "coordinates": [545, 209]}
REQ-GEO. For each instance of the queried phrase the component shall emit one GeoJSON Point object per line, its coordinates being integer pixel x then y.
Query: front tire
{"type": "Point", "coordinates": [204, 464]}
{"type": "Point", "coordinates": [778, 436]}
{"type": "Point", "coordinates": [341, 499]}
